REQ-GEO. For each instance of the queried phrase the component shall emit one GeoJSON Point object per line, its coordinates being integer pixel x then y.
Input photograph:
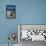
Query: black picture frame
{"type": "Point", "coordinates": [10, 11]}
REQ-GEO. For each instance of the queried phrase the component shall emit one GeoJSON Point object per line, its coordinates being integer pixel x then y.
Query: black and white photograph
{"type": "Point", "coordinates": [31, 34]}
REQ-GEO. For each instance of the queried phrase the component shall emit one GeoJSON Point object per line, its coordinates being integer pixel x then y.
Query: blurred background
{"type": "Point", "coordinates": [27, 12]}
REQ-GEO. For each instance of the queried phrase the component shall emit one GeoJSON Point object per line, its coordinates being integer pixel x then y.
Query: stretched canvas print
{"type": "Point", "coordinates": [10, 11]}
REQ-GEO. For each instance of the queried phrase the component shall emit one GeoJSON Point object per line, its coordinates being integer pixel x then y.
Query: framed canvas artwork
{"type": "Point", "coordinates": [10, 11]}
